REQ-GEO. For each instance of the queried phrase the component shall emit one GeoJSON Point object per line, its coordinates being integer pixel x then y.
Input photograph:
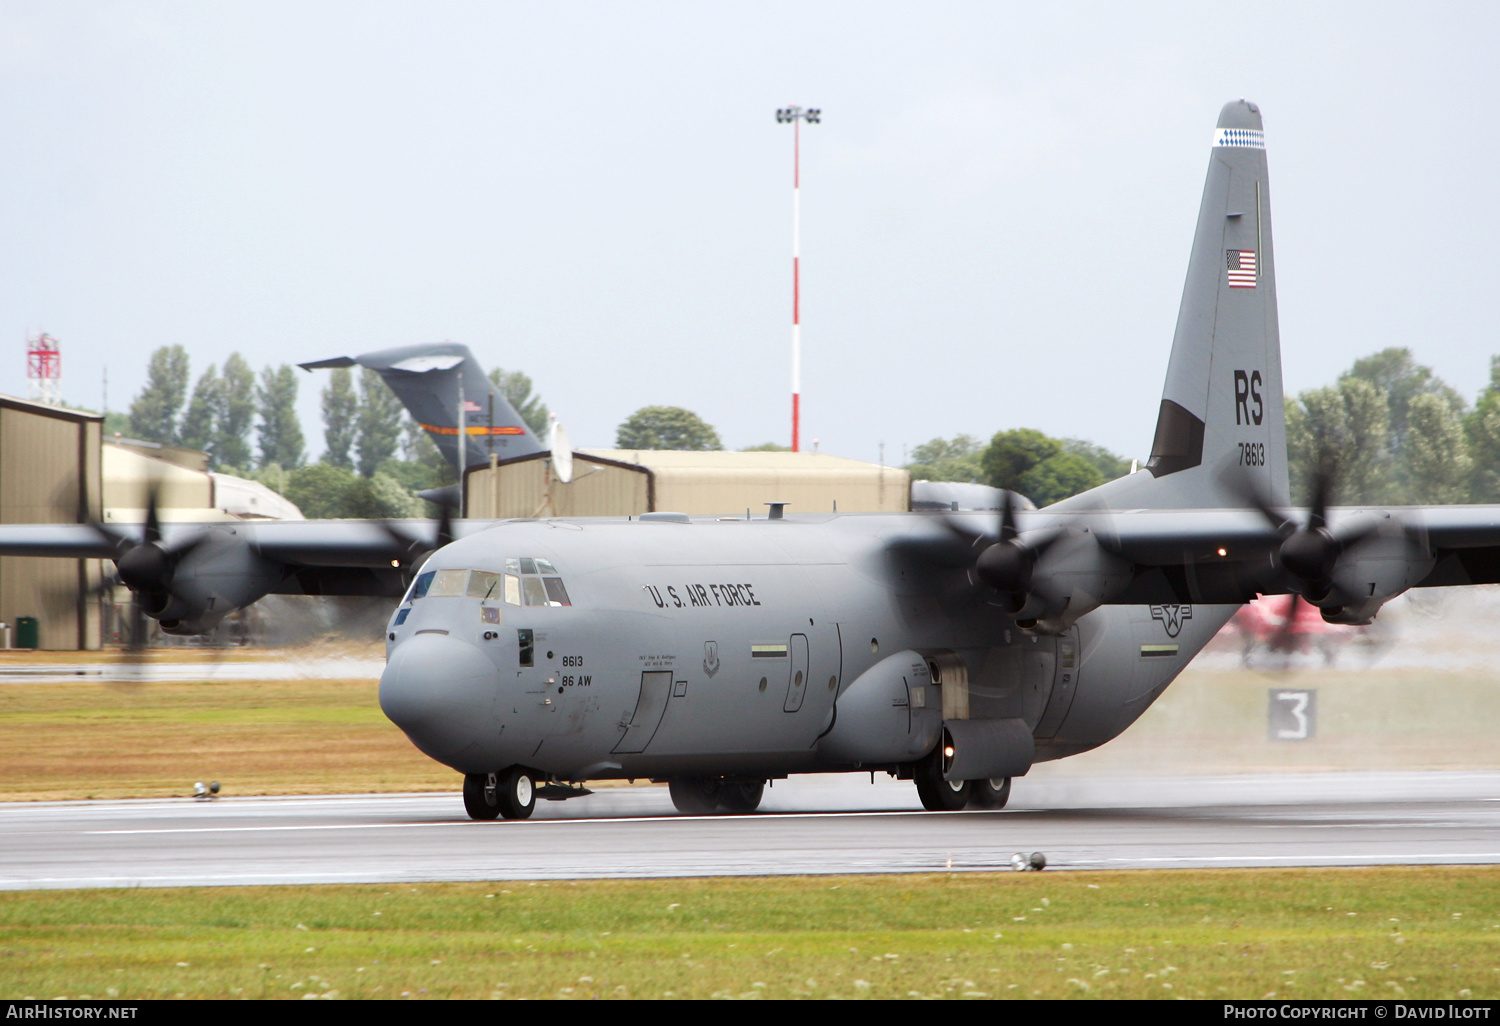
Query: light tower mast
{"type": "Point", "coordinates": [44, 370]}
{"type": "Point", "coordinates": [797, 115]}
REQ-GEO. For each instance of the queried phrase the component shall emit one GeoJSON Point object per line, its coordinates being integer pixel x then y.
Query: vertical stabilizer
{"type": "Point", "coordinates": [433, 382]}
{"type": "Point", "coordinates": [1221, 427]}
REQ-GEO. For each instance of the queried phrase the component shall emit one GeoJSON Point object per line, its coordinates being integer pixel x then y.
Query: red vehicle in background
{"type": "Point", "coordinates": [1262, 627]}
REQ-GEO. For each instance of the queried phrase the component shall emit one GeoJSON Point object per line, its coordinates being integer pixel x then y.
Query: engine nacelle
{"type": "Point", "coordinates": [1073, 577]}
{"type": "Point", "coordinates": [1386, 563]}
{"type": "Point", "coordinates": [221, 574]}
{"type": "Point", "coordinates": [891, 713]}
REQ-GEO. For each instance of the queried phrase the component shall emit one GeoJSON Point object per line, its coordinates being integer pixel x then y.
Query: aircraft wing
{"type": "Point", "coordinates": [1231, 555]}
{"type": "Point", "coordinates": [63, 541]}
{"type": "Point", "coordinates": [1464, 539]}
{"type": "Point", "coordinates": [1442, 545]}
{"type": "Point", "coordinates": [192, 575]}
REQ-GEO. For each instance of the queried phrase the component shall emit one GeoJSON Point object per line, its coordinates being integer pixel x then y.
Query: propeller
{"type": "Point", "coordinates": [414, 549]}
{"type": "Point", "coordinates": [1309, 552]}
{"type": "Point", "coordinates": [1008, 563]}
{"type": "Point", "coordinates": [149, 567]}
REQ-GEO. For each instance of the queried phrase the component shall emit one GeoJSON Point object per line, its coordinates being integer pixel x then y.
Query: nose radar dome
{"type": "Point", "coordinates": [441, 692]}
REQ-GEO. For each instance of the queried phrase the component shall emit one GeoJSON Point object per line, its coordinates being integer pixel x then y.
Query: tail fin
{"type": "Point", "coordinates": [1221, 430]}
{"type": "Point", "coordinates": [432, 382]}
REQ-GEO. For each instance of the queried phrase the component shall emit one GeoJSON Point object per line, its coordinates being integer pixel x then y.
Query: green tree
{"type": "Point", "coordinates": [1365, 467]}
{"type": "Point", "coordinates": [340, 418]}
{"type": "Point", "coordinates": [153, 414]}
{"type": "Point", "coordinates": [1107, 463]}
{"type": "Point", "coordinates": [322, 491]}
{"type": "Point", "coordinates": [1398, 376]}
{"type": "Point", "coordinates": [1435, 464]}
{"type": "Point", "coordinates": [326, 492]}
{"type": "Point", "coordinates": [1341, 432]}
{"type": "Point", "coordinates": [200, 422]}
{"type": "Point", "coordinates": [236, 414]}
{"type": "Point", "coordinates": [1058, 477]}
{"type": "Point", "coordinates": [666, 427]}
{"type": "Point", "coordinates": [1041, 468]}
{"type": "Point", "coordinates": [280, 433]}
{"type": "Point", "coordinates": [384, 497]}
{"type": "Point", "coordinates": [943, 459]}
{"type": "Point", "coordinates": [767, 447]}
{"type": "Point", "coordinates": [516, 387]}
{"type": "Point", "coordinates": [1482, 431]}
{"type": "Point", "coordinates": [380, 418]}
{"type": "Point", "coordinates": [1012, 453]}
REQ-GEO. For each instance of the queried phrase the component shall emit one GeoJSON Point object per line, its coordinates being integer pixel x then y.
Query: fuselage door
{"type": "Point", "coordinates": [796, 687]}
{"type": "Point", "coordinates": [656, 688]}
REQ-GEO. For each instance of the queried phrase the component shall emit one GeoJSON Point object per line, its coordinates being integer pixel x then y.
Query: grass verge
{"type": "Point", "coordinates": [1367, 933]}
{"type": "Point", "coordinates": [153, 739]}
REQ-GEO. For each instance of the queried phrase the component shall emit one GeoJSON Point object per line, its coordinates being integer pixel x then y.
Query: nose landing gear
{"type": "Point", "coordinates": [510, 793]}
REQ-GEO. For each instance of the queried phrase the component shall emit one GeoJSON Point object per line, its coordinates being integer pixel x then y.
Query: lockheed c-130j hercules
{"type": "Point", "coordinates": [956, 650]}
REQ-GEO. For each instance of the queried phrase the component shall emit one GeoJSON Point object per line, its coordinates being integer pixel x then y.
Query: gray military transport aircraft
{"type": "Point", "coordinates": [952, 649]}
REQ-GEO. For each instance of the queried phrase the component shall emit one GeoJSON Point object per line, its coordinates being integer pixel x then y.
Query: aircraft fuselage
{"type": "Point", "coordinates": [743, 648]}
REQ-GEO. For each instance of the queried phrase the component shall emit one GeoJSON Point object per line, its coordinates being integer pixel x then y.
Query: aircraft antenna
{"type": "Point", "coordinates": [797, 115]}
{"type": "Point", "coordinates": [44, 370]}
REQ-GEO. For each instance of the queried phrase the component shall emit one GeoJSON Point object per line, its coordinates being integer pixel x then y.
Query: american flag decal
{"type": "Point", "coordinates": [1241, 268]}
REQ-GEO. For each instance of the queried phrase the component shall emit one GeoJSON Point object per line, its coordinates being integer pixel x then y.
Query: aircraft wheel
{"type": "Point", "coordinates": [741, 796]}
{"type": "Point", "coordinates": [695, 796]}
{"type": "Point", "coordinates": [989, 794]}
{"type": "Point", "coordinates": [937, 794]}
{"type": "Point", "coordinates": [480, 798]}
{"type": "Point", "coordinates": [516, 793]}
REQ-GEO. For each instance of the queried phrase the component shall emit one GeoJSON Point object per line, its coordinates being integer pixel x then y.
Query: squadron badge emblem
{"type": "Point", "coordinates": [1171, 617]}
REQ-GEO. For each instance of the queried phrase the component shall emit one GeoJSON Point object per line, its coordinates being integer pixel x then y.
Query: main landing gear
{"type": "Point", "coordinates": [939, 795]}
{"type": "Point", "coordinates": [705, 796]}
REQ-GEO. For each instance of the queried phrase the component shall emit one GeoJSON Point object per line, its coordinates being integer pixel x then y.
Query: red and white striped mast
{"type": "Point", "coordinates": [796, 115]}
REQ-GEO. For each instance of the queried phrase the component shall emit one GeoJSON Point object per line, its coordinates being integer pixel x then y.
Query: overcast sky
{"type": "Point", "coordinates": [997, 207]}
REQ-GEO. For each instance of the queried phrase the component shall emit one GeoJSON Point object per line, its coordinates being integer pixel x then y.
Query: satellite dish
{"type": "Point", "coordinates": [562, 454]}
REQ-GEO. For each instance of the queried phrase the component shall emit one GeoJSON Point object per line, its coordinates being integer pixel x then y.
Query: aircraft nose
{"type": "Point", "coordinates": [441, 692]}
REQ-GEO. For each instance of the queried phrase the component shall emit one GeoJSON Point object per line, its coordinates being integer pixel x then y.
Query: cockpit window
{"type": "Point", "coordinates": [420, 585]}
{"type": "Point", "coordinates": [532, 581]}
{"type": "Point", "coordinates": [484, 585]}
{"type": "Point", "coordinates": [533, 592]}
{"type": "Point", "coordinates": [448, 583]}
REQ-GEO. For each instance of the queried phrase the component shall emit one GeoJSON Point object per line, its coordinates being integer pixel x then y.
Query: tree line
{"type": "Point", "coordinates": [1391, 432]}
{"type": "Point", "coordinates": [1024, 460]}
{"type": "Point", "coordinates": [1388, 432]}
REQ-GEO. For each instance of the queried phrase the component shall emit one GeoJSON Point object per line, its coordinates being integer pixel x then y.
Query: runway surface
{"type": "Point", "coordinates": [807, 825]}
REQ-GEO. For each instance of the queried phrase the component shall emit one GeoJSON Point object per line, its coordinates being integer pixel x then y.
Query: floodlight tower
{"type": "Point", "coordinates": [796, 115]}
{"type": "Point", "coordinates": [44, 370]}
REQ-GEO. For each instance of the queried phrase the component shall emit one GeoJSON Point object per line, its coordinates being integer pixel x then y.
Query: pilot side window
{"type": "Point", "coordinates": [420, 585]}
